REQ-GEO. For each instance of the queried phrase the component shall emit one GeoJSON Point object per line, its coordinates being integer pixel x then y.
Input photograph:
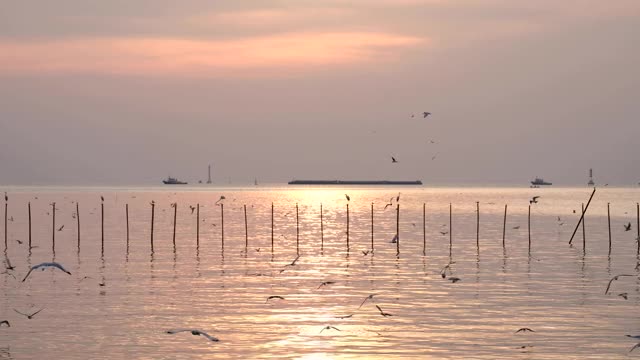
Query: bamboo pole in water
{"type": "Point", "coordinates": [529, 227]}
{"type": "Point", "coordinates": [53, 227]}
{"type": "Point", "coordinates": [153, 208]}
{"type": "Point", "coordinates": [638, 226]}
{"type": "Point", "coordinates": [222, 225]}
{"type": "Point", "coordinates": [197, 226]}
{"type": "Point", "coordinates": [347, 227]}
{"type": "Point", "coordinates": [504, 226]}
{"type": "Point", "coordinates": [102, 227]}
{"type": "Point", "coordinates": [126, 213]}
{"type": "Point", "coordinates": [78, 223]}
{"type": "Point", "coordinates": [371, 227]}
{"type": "Point", "coordinates": [246, 230]}
{"type": "Point", "coordinates": [29, 208]}
{"type": "Point", "coordinates": [321, 230]}
{"type": "Point", "coordinates": [297, 230]}
{"type": "Point", "coordinates": [609, 223]}
{"type": "Point", "coordinates": [582, 216]}
{"type": "Point", "coordinates": [478, 225]}
{"type": "Point", "coordinates": [271, 227]}
{"type": "Point", "coordinates": [6, 201]}
{"type": "Point", "coordinates": [175, 217]}
{"type": "Point", "coordinates": [424, 228]}
{"type": "Point", "coordinates": [398, 230]}
{"type": "Point", "coordinates": [450, 229]}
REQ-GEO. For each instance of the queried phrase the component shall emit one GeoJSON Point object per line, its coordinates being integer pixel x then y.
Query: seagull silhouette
{"type": "Point", "coordinates": [344, 317]}
{"type": "Point", "coordinates": [606, 291]}
{"type": "Point", "coordinates": [370, 297]}
{"type": "Point", "coordinates": [454, 279]}
{"type": "Point", "coordinates": [326, 283]}
{"type": "Point", "coordinates": [101, 197]}
{"type": "Point", "coordinates": [382, 312]}
{"type": "Point", "coordinates": [444, 270]}
{"type": "Point", "coordinates": [393, 160]}
{"type": "Point", "coordinates": [524, 330]}
{"type": "Point", "coordinates": [534, 200]}
{"type": "Point", "coordinates": [274, 297]}
{"type": "Point", "coordinates": [624, 295]}
{"type": "Point", "coordinates": [192, 208]}
{"type": "Point", "coordinates": [347, 196]}
{"type": "Point", "coordinates": [60, 228]}
{"type": "Point", "coordinates": [29, 316]}
{"type": "Point", "coordinates": [43, 266]}
{"type": "Point", "coordinates": [386, 206]}
{"type": "Point", "coordinates": [195, 333]}
{"type": "Point", "coordinates": [329, 328]}
{"type": "Point", "coordinates": [221, 198]}
{"type": "Point", "coordinates": [5, 322]}
{"type": "Point", "coordinates": [627, 227]}
{"type": "Point", "coordinates": [425, 114]}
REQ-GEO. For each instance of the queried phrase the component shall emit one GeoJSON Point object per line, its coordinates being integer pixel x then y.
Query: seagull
{"type": "Point", "coordinates": [454, 279]}
{"type": "Point", "coordinates": [293, 263]}
{"type": "Point", "coordinates": [192, 208]}
{"type": "Point", "coordinates": [627, 227]}
{"type": "Point", "coordinates": [444, 232]}
{"type": "Point", "coordinates": [328, 327]}
{"type": "Point", "coordinates": [443, 272]}
{"type": "Point", "coordinates": [19, 242]}
{"type": "Point", "coordinates": [524, 330]}
{"type": "Point", "coordinates": [350, 315]}
{"type": "Point", "coordinates": [370, 297]}
{"type": "Point", "coordinates": [382, 312]}
{"type": "Point", "coordinates": [395, 239]}
{"type": "Point", "coordinates": [326, 283]}
{"type": "Point", "coordinates": [274, 297]}
{"type": "Point", "coordinates": [5, 322]}
{"type": "Point", "coordinates": [393, 160]}
{"type": "Point", "coordinates": [347, 196]}
{"type": "Point", "coordinates": [60, 229]}
{"type": "Point", "coordinates": [386, 206]}
{"type": "Point", "coordinates": [29, 316]}
{"type": "Point", "coordinates": [102, 198]}
{"type": "Point", "coordinates": [534, 200]}
{"type": "Point", "coordinates": [365, 253]}
{"type": "Point", "coordinates": [221, 198]}
{"type": "Point", "coordinates": [425, 114]}
{"type": "Point", "coordinates": [194, 332]}
{"type": "Point", "coordinates": [43, 265]}
{"type": "Point", "coordinates": [517, 227]}
{"type": "Point", "coordinates": [612, 280]}
{"type": "Point", "coordinates": [624, 295]}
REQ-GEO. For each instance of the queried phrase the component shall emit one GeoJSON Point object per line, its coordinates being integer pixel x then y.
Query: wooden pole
{"type": "Point", "coordinates": [504, 226]}
{"type": "Point", "coordinates": [371, 227]}
{"type": "Point", "coordinates": [222, 224]}
{"type": "Point", "coordinates": [197, 225]}
{"type": "Point", "coordinates": [153, 207]}
{"type": "Point", "coordinates": [398, 230]}
{"type": "Point", "coordinates": [478, 225]}
{"type": "Point", "coordinates": [53, 227]}
{"type": "Point", "coordinates": [78, 223]}
{"type": "Point", "coordinates": [529, 227]}
{"type": "Point", "coordinates": [584, 235]}
{"type": "Point", "coordinates": [175, 217]}
{"type": "Point", "coordinates": [321, 230]}
{"type": "Point", "coordinates": [638, 226]}
{"type": "Point", "coordinates": [29, 208]}
{"type": "Point", "coordinates": [450, 229]}
{"type": "Point", "coordinates": [609, 223]}
{"type": "Point", "coordinates": [5, 222]}
{"type": "Point", "coordinates": [126, 213]}
{"type": "Point", "coordinates": [297, 231]}
{"type": "Point", "coordinates": [582, 216]}
{"type": "Point", "coordinates": [102, 226]}
{"type": "Point", "coordinates": [424, 228]}
{"type": "Point", "coordinates": [347, 227]}
{"type": "Point", "coordinates": [272, 228]}
{"type": "Point", "coordinates": [246, 230]}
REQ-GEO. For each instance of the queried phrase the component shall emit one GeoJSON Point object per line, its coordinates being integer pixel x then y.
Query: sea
{"type": "Point", "coordinates": [286, 272]}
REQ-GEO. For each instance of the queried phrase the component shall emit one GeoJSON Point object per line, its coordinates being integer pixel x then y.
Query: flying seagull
{"type": "Point", "coordinates": [370, 297]}
{"type": "Point", "coordinates": [627, 227]}
{"type": "Point", "coordinates": [624, 295]}
{"type": "Point", "coordinates": [274, 297]}
{"type": "Point", "coordinates": [326, 283]}
{"type": "Point", "coordinates": [382, 312]}
{"type": "Point", "coordinates": [386, 206]}
{"type": "Point", "coordinates": [61, 227]}
{"type": "Point", "coordinates": [221, 198]}
{"type": "Point", "coordinates": [534, 200]}
{"type": "Point", "coordinates": [328, 327]}
{"type": "Point", "coordinates": [5, 322]}
{"type": "Point", "coordinates": [192, 208]}
{"type": "Point", "coordinates": [443, 272]}
{"type": "Point", "coordinates": [44, 265]}
{"type": "Point", "coordinates": [195, 333]}
{"type": "Point", "coordinates": [29, 316]}
{"type": "Point", "coordinates": [425, 114]}
{"type": "Point", "coordinates": [393, 160]}
{"type": "Point", "coordinates": [350, 315]}
{"type": "Point", "coordinates": [524, 330]}
{"type": "Point", "coordinates": [454, 279]}
{"type": "Point", "coordinates": [612, 280]}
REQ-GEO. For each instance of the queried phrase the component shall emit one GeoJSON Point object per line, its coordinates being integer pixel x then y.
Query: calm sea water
{"type": "Point", "coordinates": [553, 288]}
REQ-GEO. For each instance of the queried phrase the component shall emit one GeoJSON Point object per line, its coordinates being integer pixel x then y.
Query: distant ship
{"type": "Point", "coordinates": [539, 181]}
{"type": "Point", "coordinates": [173, 181]}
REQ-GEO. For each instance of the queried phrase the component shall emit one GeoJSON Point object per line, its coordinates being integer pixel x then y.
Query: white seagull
{"type": "Point", "coordinates": [194, 332]}
{"type": "Point", "coordinates": [45, 265]}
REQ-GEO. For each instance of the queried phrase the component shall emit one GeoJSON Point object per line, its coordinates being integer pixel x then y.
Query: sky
{"type": "Point", "coordinates": [125, 92]}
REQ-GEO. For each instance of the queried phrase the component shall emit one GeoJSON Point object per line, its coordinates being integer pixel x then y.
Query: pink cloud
{"type": "Point", "coordinates": [175, 56]}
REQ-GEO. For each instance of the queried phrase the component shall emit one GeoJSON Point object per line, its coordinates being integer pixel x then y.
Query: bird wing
{"type": "Point", "coordinates": [20, 313]}
{"type": "Point", "coordinates": [29, 273]}
{"type": "Point", "coordinates": [55, 264]}
{"type": "Point", "coordinates": [175, 331]}
{"type": "Point", "coordinates": [335, 328]}
{"type": "Point", "coordinates": [634, 347]}
{"type": "Point", "coordinates": [35, 313]}
{"type": "Point", "coordinates": [379, 309]}
{"type": "Point", "coordinates": [212, 338]}
{"type": "Point", "coordinates": [363, 301]}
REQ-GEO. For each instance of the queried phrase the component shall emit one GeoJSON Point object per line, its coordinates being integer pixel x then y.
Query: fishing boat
{"type": "Point", "coordinates": [173, 181]}
{"type": "Point", "coordinates": [539, 181]}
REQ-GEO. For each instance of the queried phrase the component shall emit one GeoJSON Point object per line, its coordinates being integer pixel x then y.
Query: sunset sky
{"type": "Point", "coordinates": [128, 92]}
